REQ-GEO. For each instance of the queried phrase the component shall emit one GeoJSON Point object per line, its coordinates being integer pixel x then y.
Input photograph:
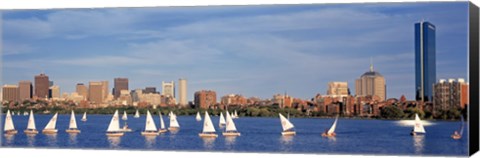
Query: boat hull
{"type": "Point", "coordinates": [30, 132]}
{"type": "Point", "coordinates": [72, 131]}
{"type": "Point", "coordinates": [150, 133]}
{"type": "Point", "coordinates": [49, 131]}
{"type": "Point", "coordinates": [288, 133]}
{"type": "Point", "coordinates": [230, 134]}
{"type": "Point", "coordinates": [162, 131]}
{"type": "Point", "coordinates": [10, 132]}
{"type": "Point", "coordinates": [208, 135]}
{"type": "Point", "coordinates": [116, 134]}
{"type": "Point", "coordinates": [173, 128]}
{"type": "Point", "coordinates": [84, 120]}
{"type": "Point", "coordinates": [456, 137]}
{"type": "Point", "coordinates": [416, 133]}
{"type": "Point", "coordinates": [328, 135]}
{"type": "Point", "coordinates": [126, 130]}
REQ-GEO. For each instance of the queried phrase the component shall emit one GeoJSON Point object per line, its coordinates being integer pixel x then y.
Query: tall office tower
{"type": "Point", "coordinates": [55, 92]}
{"type": "Point", "coordinates": [10, 93]}
{"type": "Point", "coordinates": [425, 67]}
{"type": "Point", "coordinates": [451, 94]}
{"type": "Point", "coordinates": [105, 89]}
{"type": "Point", "coordinates": [182, 92]}
{"type": "Point", "coordinates": [42, 85]}
{"type": "Point", "coordinates": [25, 90]}
{"type": "Point", "coordinates": [371, 83]}
{"type": "Point", "coordinates": [95, 92]}
{"type": "Point", "coordinates": [119, 85]}
{"type": "Point", "coordinates": [82, 90]}
{"type": "Point", "coordinates": [168, 89]}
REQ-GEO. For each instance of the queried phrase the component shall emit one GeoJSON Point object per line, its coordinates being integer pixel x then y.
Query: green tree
{"type": "Point", "coordinates": [391, 112]}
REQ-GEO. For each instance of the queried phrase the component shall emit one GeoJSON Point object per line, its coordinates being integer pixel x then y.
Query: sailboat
{"type": "Point", "coordinates": [288, 128]}
{"type": "Point", "coordinates": [173, 122]}
{"type": "Point", "coordinates": [137, 114]}
{"type": "Point", "coordinates": [222, 120]}
{"type": "Point", "coordinates": [235, 115]}
{"type": "Point", "coordinates": [458, 135]}
{"type": "Point", "coordinates": [84, 117]}
{"type": "Point", "coordinates": [50, 127]}
{"type": "Point", "coordinates": [114, 126]}
{"type": "Point", "coordinates": [162, 124]}
{"type": "Point", "coordinates": [124, 117]}
{"type": "Point", "coordinates": [9, 128]}
{"type": "Point", "coordinates": [230, 130]}
{"type": "Point", "coordinates": [198, 118]}
{"type": "Point", "coordinates": [31, 129]}
{"type": "Point", "coordinates": [150, 128]}
{"type": "Point", "coordinates": [72, 127]}
{"type": "Point", "coordinates": [331, 131]}
{"type": "Point", "coordinates": [208, 129]}
{"type": "Point", "coordinates": [418, 127]}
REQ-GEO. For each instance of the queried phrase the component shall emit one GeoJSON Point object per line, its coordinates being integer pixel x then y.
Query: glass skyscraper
{"type": "Point", "coordinates": [425, 66]}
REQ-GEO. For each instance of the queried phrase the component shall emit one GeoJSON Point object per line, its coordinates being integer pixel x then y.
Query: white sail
{"type": "Point", "coordinates": [418, 128]}
{"type": "Point", "coordinates": [463, 124]}
{"type": "Point", "coordinates": [230, 124]}
{"type": "Point", "coordinates": [31, 121]}
{"type": "Point", "coordinates": [73, 121]}
{"type": "Point", "coordinates": [114, 123]}
{"type": "Point", "coordinates": [124, 117]}
{"type": "Point", "coordinates": [332, 129]}
{"type": "Point", "coordinates": [162, 124]}
{"type": "Point", "coordinates": [222, 120]}
{"type": "Point", "coordinates": [8, 122]}
{"type": "Point", "coordinates": [52, 123]}
{"type": "Point", "coordinates": [84, 117]}
{"type": "Point", "coordinates": [286, 125]}
{"type": "Point", "coordinates": [173, 120]}
{"type": "Point", "coordinates": [150, 124]}
{"type": "Point", "coordinates": [207, 124]}
{"type": "Point", "coordinates": [198, 118]}
{"type": "Point", "coordinates": [137, 114]}
{"type": "Point", "coordinates": [236, 115]}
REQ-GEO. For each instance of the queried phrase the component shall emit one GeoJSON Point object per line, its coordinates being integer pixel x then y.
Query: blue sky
{"type": "Point", "coordinates": [250, 50]}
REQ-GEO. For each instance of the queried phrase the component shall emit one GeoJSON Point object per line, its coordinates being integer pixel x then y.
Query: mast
{"type": "Point", "coordinates": [8, 122]}
{"type": "Point", "coordinates": [52, 123]}
{"type": "Point", "coordinates": [73, 121]}
{"type": "Point", "coordinates": [31, 122]}
{"type": "Point", "coordinates": [207, 124]}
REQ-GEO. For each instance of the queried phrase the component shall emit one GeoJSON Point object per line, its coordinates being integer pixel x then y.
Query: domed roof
{"type": "Point", "coordinates": [372, 74]}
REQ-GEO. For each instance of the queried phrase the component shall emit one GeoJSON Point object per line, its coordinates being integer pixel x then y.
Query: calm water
{"type": "Point", "coordinates": [258, 135]}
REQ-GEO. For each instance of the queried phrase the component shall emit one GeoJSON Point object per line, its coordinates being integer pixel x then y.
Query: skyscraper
{"type": "Point", "coordinates": [105, 89]}
{"type": "Point", "coordinates": [42, 85]}
{"type": "Point", "coordinates": [337, 89]}
{"type": "Point", "coordinates": [182, 86]}
{"type": "Point", "coordinates": [205, 99]}
{"type": "Point", "coordinates": [425, 67]}
{"type": "Point", "coordinates": [55, 92]}
{"type": "Point", "coordinates": [119, 85]}
{"type": "Point", "coordinates": [371, 83]}
{"type": "Point", "coordinates": [95, 91]}
{"type": "Point", "coordinates": [82, 90]}
{"type": "Point", "coordinates": [10, 93]}
{"type": "Point", "coordinates": [25, 90]}
{"type": "Point", "coordinates": [168, 89]}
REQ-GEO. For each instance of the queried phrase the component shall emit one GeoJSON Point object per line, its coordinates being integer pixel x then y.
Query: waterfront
{"type": "Point", "coordinates": [258, 135]}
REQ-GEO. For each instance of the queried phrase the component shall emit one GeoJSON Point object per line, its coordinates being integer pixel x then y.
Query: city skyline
{"type": "Point", "coordinates": [298, 49]}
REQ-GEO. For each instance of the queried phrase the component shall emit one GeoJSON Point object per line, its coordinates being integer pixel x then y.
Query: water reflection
{"type": "Point", "coordinates": [286, 143]}
{"type": "Point", "coordinates": [52, 139]}
{"type": "Point", "coordinates": [72, 138]}
{"type": "Point", "coordinates": [230, 142]}
{"type": "Point", "coordinates": [332, 139]}
{"type": "Point", "coordinates": [31, 140]}
{"type": "Point", "coordinates": [208, 143]}
{"type": "Point", "coordinates": [9, 139]}
{"type": "Point", "coordinates": [418, 143]}
{"type": "Point", "coordinates": [150, 141]}
{"type": "Point", "coordinates": [114, 142]}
